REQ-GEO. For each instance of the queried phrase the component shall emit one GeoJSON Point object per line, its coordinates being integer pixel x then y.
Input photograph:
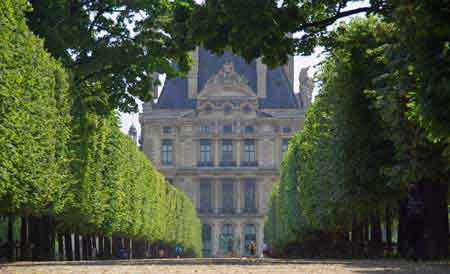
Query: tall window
{"type": "Point", "coordinates": [227, 197]}
{"type": "Point", "coordinates": [205, 152]}
{"type": "Point", "coordinates": [249, 152]}
{"type": "Point", "coordinates": [227, 151]}
{"type": "Point", "coordinates": [284, 146]}
{"type": "Point", "coordinates": [250, 196]}
{"type": "Point", "coordinates": [207, 240]}
{"type": "Point", "coordinates": [205, 129]}
{"type": "Point", "coordinates": [167, 152]}
{"type": "Point", "coordinates": [205, 196]}
{"type": "Point", "coordinates": [249, 237]}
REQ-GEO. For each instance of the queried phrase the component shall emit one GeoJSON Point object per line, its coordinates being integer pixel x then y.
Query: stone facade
{"type": "Point", "coordinates": [219, 135]}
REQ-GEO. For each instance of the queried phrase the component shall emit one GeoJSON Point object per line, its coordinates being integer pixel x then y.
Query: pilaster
{"type": "Point", "coordinates": [261, 74]}
{"type": "Point", "coordinates": [193, 76]}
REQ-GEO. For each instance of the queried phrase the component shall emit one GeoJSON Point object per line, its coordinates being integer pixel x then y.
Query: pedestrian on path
{"type": "Point", "coordinates": [178, 250]}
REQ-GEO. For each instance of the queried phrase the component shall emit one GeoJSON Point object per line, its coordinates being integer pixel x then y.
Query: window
{"type": "Point", "coordinates": [227, 129]}
{"type": "Point", "coordinates": [167, 130]}
{"type": "Point", "coordinates": [208, 108]}
{"type": "Point", "coordinates": [249, 151]}
{"type": "Point", "coordinates": [227, 197]}
{"type": "Point", "coordinates": [227, 109]}
{"type": "Point", "coordinates": [250, 195]}
{"type": "Point", "coordinates": [284, 146]}
{"type": "Point", "coordinates": [205, 152]}
{"type": "Point", "coordinates": [249, 130]}
{"type": "Point", "coordinates": [287, 130]}
{"type": "Point", "coordinates": [247, 109]}
{"type": "Point", "coordinates": [205, 129]}
{"type": "Point", "coordinates": [207, 240]}
{"type": "Point", "coordinates": [205, 196]}
{"type": "Point", "coordinates": [227, 151]}
{"type": "Point", "coordinates": [167, 152]}
{"type": "Point", "coordinates": [249, 237]}
{"type": "Point", "coordinates": [227, 230]}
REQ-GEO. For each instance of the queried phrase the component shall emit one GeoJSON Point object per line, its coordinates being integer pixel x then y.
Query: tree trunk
{"type": "Point", "coordinates": [47, 238]}
{"type": "Point", "coordinates": [357, 237]}
{"type": "Point", "coordinates": [402, 233]}
{"type": "Point", "coordinates": [107, 247]}
{"type": "Point", "coordinates": [11, 244]}
{"type": "Point", "coordinates": [24, 239]}
{"type": "Point", "coordinates": [388, 223]}
{"type": "Point", "coordinates": [116, 245]}
{"type": "Point", "coordinates": [101, 246]}
{"type": "Point", "coordinates": [84, 247]}
{"type": "Point", "coordinates": [436, 220]}
{"type": "Point", "coordinates": [77, 247]}
{"type": "Point", "coordinates": [61, 247]}
{"type": "Point", "coordinates": [68, 246]}
{"type": "Point", "coordinates": [376, 237]}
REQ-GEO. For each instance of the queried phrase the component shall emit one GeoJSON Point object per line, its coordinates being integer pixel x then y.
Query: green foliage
{"type": "Point", "coordinates": [359, 148]}
{"type": "Point", "coordinates": [34, 120]}
{"type": "Point", "coordinates": [259, 28]}
{"type": "Point", "coordinates": [116, 43]}
{"type": "Point", "coordinates": [76, 166]}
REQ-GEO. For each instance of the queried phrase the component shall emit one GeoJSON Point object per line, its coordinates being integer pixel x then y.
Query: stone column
{"type": "Point", "coordinates": [194, 188]}
{"type": "Point", "coordinates": [216, 189]}
{"type": "Point", "coordinates": [215, 238]}
{"type": "Point", "coordinates": [239, 236]}
{"type": "Point", "coordinates": [238, 186]}
{"type": "Point", "coordinates": [216, 153]}
{"type": "Point", "coordinates": [238, 152]}
{"type": "Point", "coordinates": [260, 237]}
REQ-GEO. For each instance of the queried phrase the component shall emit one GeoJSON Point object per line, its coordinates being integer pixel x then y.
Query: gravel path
{"type": "Point", "coordinates": [228, 266]}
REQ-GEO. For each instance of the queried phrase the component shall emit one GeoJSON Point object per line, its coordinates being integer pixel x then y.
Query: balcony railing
{"type": "Point", "coordinates": [254, 163]}
{"type": "Point", "coordinates": [227, 163]}
{"type": "Point", "coordinates": [205, 210]}
{"type": "Point", "coordinates": [205, 164]}
{"type": "Point", "coordinates": [227, 210]}
{"type": "Point", "coordinates": [251, 210]}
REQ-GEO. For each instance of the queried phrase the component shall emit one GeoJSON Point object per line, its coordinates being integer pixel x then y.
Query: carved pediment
{"type": "Point", "coordinates": [227, 83]}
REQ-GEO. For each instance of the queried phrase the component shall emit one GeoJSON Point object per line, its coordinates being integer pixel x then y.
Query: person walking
{"type": "Point", "coordinates": [178, 250]}
{"type": "Point", "coordinates": [253, 248]}
{"type": "Point", "coordinates": [416, 223]}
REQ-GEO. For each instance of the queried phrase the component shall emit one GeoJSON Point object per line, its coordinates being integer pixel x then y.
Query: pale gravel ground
{"type": "Point", "coordinates": [230, 267]}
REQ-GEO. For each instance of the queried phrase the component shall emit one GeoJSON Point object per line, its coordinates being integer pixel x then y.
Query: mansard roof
{"type": "Point", "coordinates": [279, 92]}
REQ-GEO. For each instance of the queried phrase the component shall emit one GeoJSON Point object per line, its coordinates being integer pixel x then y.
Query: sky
{"type": "Point", "coordinates": [299, 62]}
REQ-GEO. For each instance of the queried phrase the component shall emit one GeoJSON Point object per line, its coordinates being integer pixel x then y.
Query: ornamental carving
{"type": "Point", "coordinates": [226, 76]}
{"type": "Point", "coordinates": [227, 83]}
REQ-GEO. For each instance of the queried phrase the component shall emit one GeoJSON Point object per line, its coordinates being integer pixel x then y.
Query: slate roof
{"type": "Point", "coordinates": [279, 91]}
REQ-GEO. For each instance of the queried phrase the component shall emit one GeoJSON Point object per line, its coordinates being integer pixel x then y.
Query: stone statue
{"type": "Point", "coordinates": [306, 87]}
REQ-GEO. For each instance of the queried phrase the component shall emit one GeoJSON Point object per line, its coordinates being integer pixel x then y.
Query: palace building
{"type": "Point", "coordinates": [219, 135]}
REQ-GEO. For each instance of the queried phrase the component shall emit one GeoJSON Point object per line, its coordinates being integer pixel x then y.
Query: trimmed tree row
{"type": "Point", "coordinates": [344, 180]}
{"type": "Point", "coordinates": [71, 184]}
